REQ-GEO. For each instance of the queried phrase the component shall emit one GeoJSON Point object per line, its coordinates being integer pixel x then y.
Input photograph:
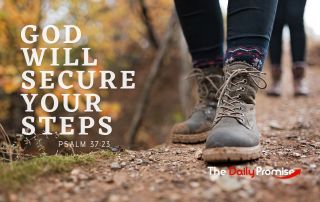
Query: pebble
{"type": "Point", "coordinates": [275, 125]}
{"type": "Point", "coordinates": [208, 194]}
{"type": "Point", "coordinates": [174, 197]}
{"type": "Point", "coordinates": [132, 157]}
{"type": "Point", "coordinates": [115, 166]}
{"type": "Point", "coordinates": [198, 154]}
{"type": "Point", "coordinates": [75, 171]}
{"type": "Point", "coordinates": [312, 166]}
{"type": "Point", "coordinates": [194, 184]}
{"type": "Point", "coordinates": [229, 184]}
{"type": "Point", "coordinates": [296, 154]}
{"type": "Point", "coordinates": [139, 161]}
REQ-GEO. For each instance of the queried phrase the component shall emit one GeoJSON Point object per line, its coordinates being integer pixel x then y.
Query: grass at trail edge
{"type": "Point", "coordinates": [18, 173]}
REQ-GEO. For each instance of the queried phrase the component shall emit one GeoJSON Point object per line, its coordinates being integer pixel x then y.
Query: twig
{"type": "Point", "coordinates": [185, 89]}
{"type": "Point", "coordinates": [147, 22]}
{"type": "Point", "coordinates": [155, 67]}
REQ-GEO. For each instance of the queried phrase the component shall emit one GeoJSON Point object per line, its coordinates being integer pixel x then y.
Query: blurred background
{"type": "Point", "coordinates": [140, 35]}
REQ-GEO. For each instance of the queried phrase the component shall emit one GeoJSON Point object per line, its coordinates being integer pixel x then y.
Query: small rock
{"type": "Point", "coordinates": [275, 125]}
{"type": "Point", "coordinates": [114, 198]}
{"type": "Point", "coordinates": [115, 166]}
{"type": "Point", "coordinates": [83, 177]}
{"type": "Point", "coordinates": [123, 164]}
{"type": "Point", "coordinates": [312, 166]}
{"type": "Point", "coordinates": [208, 194]}
{"type": "Point", "coordinates": [194, 184]}
{"type": "Point", "coordinates": [152, 188]}
{"type": "Point", "coordinates": [174, 197]}
{"type": "Point", "coordinates": [192, 149]}
{"type": "Point", "coordinates": [229, 184]}
{"type": "Point", "coordinates": [139, 161]}
{"type": "Point", "coordinates": [132, 157]}
{"type": "Point", "coordinates": [117, 149]}
{"type": "Point", "coordinates": [75, 171]}
{"type": "Point", "coordinates": [68, 185]}
{"type": "Point", "coordinates": [159, 180]}
{"type": "Point", "coordinates": [301, 123]}
{"type": "Point", "coordinates": [198, 154]}
{"type": "Point", "coordinates": [296, 154]}
{"type": "Point", "coordinates": [109, 179]}
{"type": "Point", "coordinates": [214, 178]}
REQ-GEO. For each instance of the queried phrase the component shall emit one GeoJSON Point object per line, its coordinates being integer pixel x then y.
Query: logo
{"type": "Point", "coordinates": [280, 173]}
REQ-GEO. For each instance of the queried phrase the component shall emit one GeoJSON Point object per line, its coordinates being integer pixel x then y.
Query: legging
{"type": "Point", "coordinates": [249, 25]}
{"type": "Point", "coordinates": [289, 12]}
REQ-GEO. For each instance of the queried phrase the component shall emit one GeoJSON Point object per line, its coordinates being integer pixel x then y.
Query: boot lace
{"type": "Point", "coordinates": [231, 105]}
{"type": "Point", "coordinates": [206, 87]}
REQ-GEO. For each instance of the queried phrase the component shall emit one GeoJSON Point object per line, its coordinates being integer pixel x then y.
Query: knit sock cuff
{"type": "Point", "coordinates": [205, 63]}
{"type": "Point", "coordinates": [252, 55]}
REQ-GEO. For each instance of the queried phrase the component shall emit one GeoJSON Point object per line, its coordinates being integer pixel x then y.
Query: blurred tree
{"type": "Point", "coordinates": [118, 32]}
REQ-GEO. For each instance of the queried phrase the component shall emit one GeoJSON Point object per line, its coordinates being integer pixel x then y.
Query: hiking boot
{"type": "Point", "coordinates": [195, 128]}
{"type": "Point", "coordinates": [235, 136]}
{"type": "Point", "coordinates": [275, 89]}
{"type": "Point", "coordinates": [299, 83]}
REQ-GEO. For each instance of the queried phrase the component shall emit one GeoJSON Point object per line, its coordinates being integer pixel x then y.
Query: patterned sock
{"type": "Point", "coordinates": [252, 55]}
{"type": "Point", "coordinates": [205, 63]}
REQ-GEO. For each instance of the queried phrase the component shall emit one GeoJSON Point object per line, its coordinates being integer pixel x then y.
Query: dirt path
{"type": "Point", "coordinates": [290, 139]}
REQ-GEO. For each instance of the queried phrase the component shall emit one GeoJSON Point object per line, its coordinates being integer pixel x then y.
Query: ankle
{"type": "Point", "coordinates": [298, 70]}
{"type": "Point", "coordinates": [208, 63]}
{"type": "Point", "coordinates": [253, 56]}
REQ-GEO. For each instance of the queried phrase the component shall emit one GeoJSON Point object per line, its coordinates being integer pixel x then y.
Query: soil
{"type": "Point", "coordinates": [175, 172]}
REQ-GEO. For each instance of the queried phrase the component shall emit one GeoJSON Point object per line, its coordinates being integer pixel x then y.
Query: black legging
{"type": "Point", "coordinates": [289, 12]}
{"type": "Point", "coordinates": [249, 24]}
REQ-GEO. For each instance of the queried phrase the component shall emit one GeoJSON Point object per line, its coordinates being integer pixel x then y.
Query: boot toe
{"type": "Point", "coordinates": [231, 137]}
{"type": "Point", "coordinates": [190, 127]}
{"type": "Point", "coordinates": [180, 128]}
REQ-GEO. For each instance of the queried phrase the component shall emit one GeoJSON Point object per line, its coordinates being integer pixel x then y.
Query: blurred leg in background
{"type": "Point", "coordinates": [289, 12]}
{"type": "Point", "coordinates": [295, 22]}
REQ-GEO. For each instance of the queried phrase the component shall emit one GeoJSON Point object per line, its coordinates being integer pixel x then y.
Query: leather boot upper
{"type": "Point", "coordinates": [208, 80]}
{"type": "Point", "coordinates": [235, 123]}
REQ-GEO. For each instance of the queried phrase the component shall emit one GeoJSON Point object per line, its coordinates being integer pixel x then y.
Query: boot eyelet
{"type": "Point", "coordinates": [244, 81]}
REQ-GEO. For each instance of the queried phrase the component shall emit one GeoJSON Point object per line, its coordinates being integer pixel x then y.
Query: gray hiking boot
{"type": "Point", "coordinates": [235, 136]}
{"type": "Point", "coordinates": [195, 128]}
{"type": "Point", "coordinates": [299, 82]}
{"type": "Point", "coordinates": [275, 89]}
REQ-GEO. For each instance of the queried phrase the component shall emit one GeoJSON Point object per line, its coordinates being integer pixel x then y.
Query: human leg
{"type": "Point", "coordinates": [235, 136]}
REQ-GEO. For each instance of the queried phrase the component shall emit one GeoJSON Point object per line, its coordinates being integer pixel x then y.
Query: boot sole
{"type": "Point", "coordinates": [189, 138]}
{"type": "Point", "coordinates": [227, 154]}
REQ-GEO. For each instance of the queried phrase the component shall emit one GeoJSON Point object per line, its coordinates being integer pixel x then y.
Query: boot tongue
{"type": "Point", "coordinates": [242, 85]}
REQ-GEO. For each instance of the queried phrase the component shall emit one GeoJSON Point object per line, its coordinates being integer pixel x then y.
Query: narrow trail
{"type": "Point", "coordinates": [290, 139]}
